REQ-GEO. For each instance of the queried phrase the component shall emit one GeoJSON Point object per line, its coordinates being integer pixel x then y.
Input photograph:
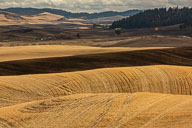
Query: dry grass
{"type": "Point", "coordinates": [42, 18]}
{"type": "Point", "coordinates": [98, 38]}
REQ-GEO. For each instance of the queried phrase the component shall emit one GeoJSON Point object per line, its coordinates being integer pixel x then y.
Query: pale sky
{"type": "Point", "coordinates": [95, 5]}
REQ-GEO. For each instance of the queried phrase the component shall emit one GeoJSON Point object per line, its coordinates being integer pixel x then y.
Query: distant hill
{"type": "Point", "coordinates": [10, 16]}
{"type": "Point", "coordinates": [35, 11]}
{"type": "Point", "coordinates": [157, 18]}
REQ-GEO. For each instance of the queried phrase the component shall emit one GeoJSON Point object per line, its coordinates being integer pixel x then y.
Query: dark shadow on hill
{"type": "Point", "coordinates": [175, 56]}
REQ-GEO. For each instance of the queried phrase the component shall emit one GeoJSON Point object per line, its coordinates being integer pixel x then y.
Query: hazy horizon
{"type": "Point", "coordinates": [95, 5]}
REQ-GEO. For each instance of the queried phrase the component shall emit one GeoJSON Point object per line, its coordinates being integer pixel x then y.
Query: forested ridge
{"type": "Point", "coordinates": [157, 17]}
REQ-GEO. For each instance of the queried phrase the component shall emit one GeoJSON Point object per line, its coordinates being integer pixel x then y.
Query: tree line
{"type": "Point", "coordinates": [157, 17]}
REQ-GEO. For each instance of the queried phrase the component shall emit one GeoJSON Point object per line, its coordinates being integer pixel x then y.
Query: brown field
{"type": "Point", "coordinates": [50, 78]}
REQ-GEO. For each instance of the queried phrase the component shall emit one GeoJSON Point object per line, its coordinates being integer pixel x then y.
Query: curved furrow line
{"type": "Point", "coordinates": [79, 81]}
{"type": "Point", "coordinates": [106, 85]}
{"type": "Point", "coordinates": [14, 88]}
{"type": "Point", "coordinates": [144, 80]}
{"type": "Point", "coordinates": [171, 81]}
{"type": "Point", "coordinates": [63, 83]}
{"type": "Point", "coordinates": [125, 84]}
{"type": "Point", "coordinates": [114, 81]}
{"type": "Point", "coordinates": [86, 81]}
{"type": "Point", "coordinates": [137, 79]}
{"type": "Point", "coordinates": [55, 89]}
{"type": "Point", "coordinates": [188, 87]}
{"type": "Point", "coordinates": [163, 80]}
{"type": "Point", "coordinates": [119, 81]}
{"type": "Point", "coordinates": [130, 81]}
{"type": "Point", "coordinates": [98, 82]}
{"type": "Point", "coordinates": [140, 80]}
{"type": "Point", "coordinates": [35, 89]}
{"type": "Point", "coordinates": [104, 81]}
{"type": "Point", "coordinates": [109, 81]}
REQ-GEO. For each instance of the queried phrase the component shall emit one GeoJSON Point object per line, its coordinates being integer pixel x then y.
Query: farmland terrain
{"type": "Point", "coordinates": [62, 72]}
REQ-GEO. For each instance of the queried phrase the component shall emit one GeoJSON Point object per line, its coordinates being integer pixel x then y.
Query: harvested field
{"type": "Point", "coordinates": [138, 92]}
{"type": "Point", "coordinates": [59, 71]}
{"type": "Point", "coordinates": [139, 79]}
{"type": "Point", "coordinates": [48, 51]}
{"type": "Point", "coordinates": [112, 97]}
{"type": "Point", "coordinates": [172, 56]}
{"type": "Point", "coordinates": [101, 110]}
{"type": "Point", "coordinates": [155, 79]}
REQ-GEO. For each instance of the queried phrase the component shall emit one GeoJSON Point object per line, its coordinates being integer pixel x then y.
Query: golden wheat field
{"type": "Point", "coordinates": [101, 110]}
{"type": "Point", "coordinates": [47, 51]}
{"type": "Point", "coordinates": [145, 96]}
{"type": "Point", "coordinates": [74, 69]}
{"type": "Point", "coordinates": [76, 86]}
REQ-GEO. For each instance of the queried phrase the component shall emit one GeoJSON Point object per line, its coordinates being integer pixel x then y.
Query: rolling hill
{"type": "Point", "coordinates": [36, 11]}
{"type": "Point", "coordinates": [101, 110]}
{"type": "Point", "coordinates": [10, 16]}
{"type": "Point", "coordinates": [52, 78]}
{"type": "Point", "coordinates": [156, 94]}
{"type": "Point", "coordinates": [99, 98]}
{"type": "Point", "coordinates": [172, 56]}
{"type": "Point", "coordinates": [55, 16]}
{"type": "Point", "coordinates": [154, 79]}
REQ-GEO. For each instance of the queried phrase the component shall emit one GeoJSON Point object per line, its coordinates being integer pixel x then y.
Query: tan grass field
{"type": "Point", "coordinates": [49, 18]}
{"type": "Point", "coordinates": [42, 18]}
